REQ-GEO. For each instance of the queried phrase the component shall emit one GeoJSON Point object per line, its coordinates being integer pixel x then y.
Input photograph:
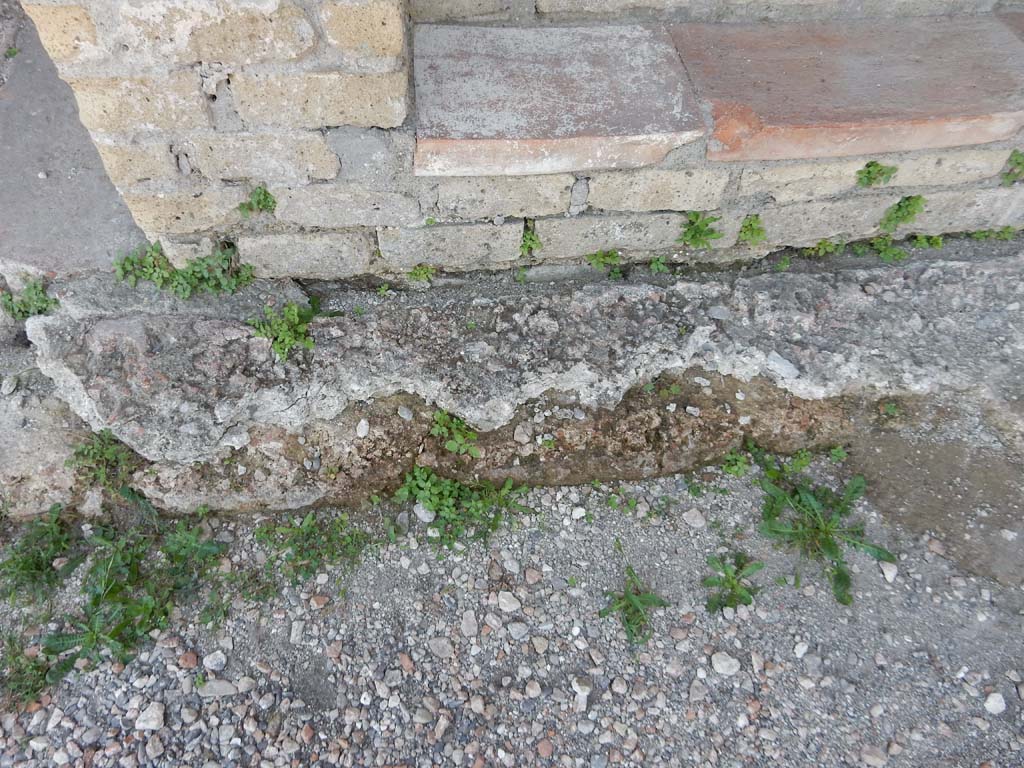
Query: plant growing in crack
{"type": "Point", "coordinates": [1015, 169]}
{"type": "Point", "coordinates": [874, 173]}
{"type": "Point", "coordinates": [286, 330]}
{"type": "Point", "coordinates": [698, 230]}
{"type": "Point", "coordinates": [30, 302]}
{"type": "Point", "coordinates": [458, 437]}
{"type": "Point", "coordinates": [220, 272]}
{"type": "Point", "coordinates": [260, 200]}
{"type": "Point", "coordinates": [531, 242]}
{"type": "Point", "coordinates": [902, 212]}
{"type": "Point", "coordinates": [752, 230]}
{"type": "Point", "coordinates": [422, 273]}
{"type": "Point", "coordinates": [607, 261]}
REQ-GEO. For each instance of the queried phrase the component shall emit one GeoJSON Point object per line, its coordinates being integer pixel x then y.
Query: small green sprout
{"type": "Point", "coordinates": [735, 463]}
{"type": "Point", "coordinates": [30, 302]}
{"type": "Point", "coordinates": [531, 242]}
{"type": "Point", "coordinates": [752, 231]}
{"type": "Point", "coordinates": [259, 200]}
{"type": "Point", "coordinates": [286, 330]}
{"type": "Point", "coordinates": [658, 266]}
{"type": "Point", "coordinates": [902, 212]}
{"type": "Point", "coordinates": [838, 454]}
{"type": "Point", "coordinates": [732, 584]}
{"type": "Point", "coordinates": [698, 231]}
{"type": "Point", "coordinates": [928, 241]}
{"type": "Point", "coordinates": [1015, 169]}
{"type": "Point", "coordinates": [422, 273]}
{"type": "Point", "coordinates": [458, 437]}
{"type": "Point", "coordinates": [874, 173]}
{"type": "Point", "coordinates": [633, 606]}
{"type": "Point", "coordinates": [784, 263]}
{"type": "Point", "coordinates": [11, 52]}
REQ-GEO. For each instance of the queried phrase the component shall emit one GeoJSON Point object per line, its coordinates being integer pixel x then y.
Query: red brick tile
{"type": "Point", "coordinates": [494, 101]}
{"type": "Point", "coordinates": [832, 89]}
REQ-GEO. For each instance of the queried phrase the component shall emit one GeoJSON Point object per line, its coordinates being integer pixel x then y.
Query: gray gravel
{"type": "Point", "coordinates": [495, 655]}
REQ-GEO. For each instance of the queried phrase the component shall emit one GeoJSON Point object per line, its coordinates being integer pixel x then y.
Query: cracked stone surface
{"type": "Point", "coordinates": [181, 386]}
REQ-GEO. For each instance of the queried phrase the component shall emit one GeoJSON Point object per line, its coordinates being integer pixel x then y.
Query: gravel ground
{"type": "Point", "coordinates": [495, 655]}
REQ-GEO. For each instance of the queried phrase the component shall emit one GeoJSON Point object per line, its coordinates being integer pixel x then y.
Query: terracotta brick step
{"type": "Point", "coordinates": [510, 101]}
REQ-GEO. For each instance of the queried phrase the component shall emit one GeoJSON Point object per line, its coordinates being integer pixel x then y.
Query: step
{"type": "Point", "coordinates": [509, 101]}
{"type": "Point", "coordinates": [528, 100]}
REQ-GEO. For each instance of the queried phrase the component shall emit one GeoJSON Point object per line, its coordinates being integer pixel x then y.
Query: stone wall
{"type": "Point", "coordinates": [193, 105]}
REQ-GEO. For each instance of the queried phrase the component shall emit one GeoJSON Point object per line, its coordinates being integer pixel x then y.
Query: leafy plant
{"type": "Point", "coordinates": [460, 510]}
{"type": "Point", "coordinates": [874, 173]}
{"type": "Point", "coordinates": [1015, 168]}
{"type": "Point", "coordinates": [607, 261]}
{"type": "Point", "coordinates": [902, 212]}
{"type": "Point", "coordinates": [752, 230]}
{"type": "Point", "coordinates": [887, 250]}
{"type": "Point", "coordinates": [286, 330]}
{"type": "Point", "coordinates": [824, 248]}
{"type": "Point", "coordinates": [838, 454]}
{"type": "Point", "coordinates": [305, 546]}
{"type": "Point", "coordinates": [1004, 233]}
{"type": "Point", "coordinates": [31, 564]}
{"type": "Point", "coordinates": [811, 518]}
{"type": "Point", "coordinates": [732, 584]}
{"type": "Point", "coordinates": [531, 243]}
{"type": "Point", "coordinates": [220, 272]}
{"type": "Point", "coordinates": [422, 273]}
{"type": "Point", "coordinates": [102, 460]}
{"type": "Point", "coordinates": [23, 677]}
{"type": "Point", "coordinates": [259, 200]}
{"type": "Point", "coordinates": [383, 290]}
{"type": "Point", "coordinates": [458, 437]}
{"type": "Point", "coordinates": [633, 605]}
{"type": "Point", "coordinates": [31, 301]}
{"type": "Point", "coordinates": [658, 266]}
{"type": "Point", "coordinates": [735, 463]}
{"type": "Point", "coordinates": [698, 231]}
{"type": "Point", "coordinates": [784, 263]}
{"type": "Point", "coordinates": [928, 241]}
{"type": "Point", "coordinates": [11, 52]}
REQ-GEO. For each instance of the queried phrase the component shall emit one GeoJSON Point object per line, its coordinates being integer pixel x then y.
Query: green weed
{"type": "Point", "coordinates": [259, 200]}
{"type": "Point", "coordinates": [838, 454]}
{"type": "Point", "coordinates": [102, 460]}
{"type": "Point", "coordinates": [460, 510]}
{"type": "Point", "coordinates": [902, 212]}
{"type": "Point", "coordinates": [698, 231]}
{"type": "Point", "coordinates": [457, 436]}
{"type": "Point", "coordinates": [887, 250]}
{"type": "Point", "coordinates": [657, 265]}
{"type": "Point", "coordinates": [784, 263]}
{"type": "Point", "coordinates": [286, 330]}
{"type": "Point", "coordinates": [1015, 168]}
{"type": "Point", "coordinates": [752, 230]}
{"type": "Point", "coordinates": [31, 565]}
{"type": "Point", "coordinates": [217, 273]}
{"type": "Point", "coordinates": [874, 173]}
{"type": "Point", "coordinates": [384, 290]}
{"type": "Point", "coordinates": [11, 52]}
{"type": "Point", "coordinates": [811, 518]}
{"type": "Point", "coordinates": [30, 302]}
{"type": "Point", "coordinates": [735, 463]}
{"type": "Point", "coordinates": [304, 547]}
{"type": "Point", "coordinates": [633, 605]}
{"type": "Point", "coordinates": [607, 261]}
{"type": "Point", "coordinates": [824, 248]}
{"type": "Point", "coordinates": [1004, 233]}
{"type": "Point", "coordinates": [928, 241]}
{"type": "Point", "coordinates": [732, 584]}
{"type": "Point", "coordinates": [22, 677]}
{"type": "Point", "coordinates": [422, 273]}
{"type": "Point", "coordinates": [531, 243]}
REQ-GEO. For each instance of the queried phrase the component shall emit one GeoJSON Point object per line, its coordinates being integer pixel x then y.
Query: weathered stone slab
{"type": "Point", "coordinates": [856, 87]}
{"type": "Point", "coordinates": [509, 101]}
{"type": "Point", "coordinates": [186, 387]}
